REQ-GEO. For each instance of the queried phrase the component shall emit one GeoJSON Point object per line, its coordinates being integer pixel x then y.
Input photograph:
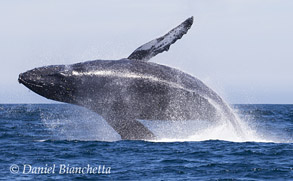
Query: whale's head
{"type": "Point", "coordinates": [51, 82]}
{"type": "Point", "coordinates": [76, 84]}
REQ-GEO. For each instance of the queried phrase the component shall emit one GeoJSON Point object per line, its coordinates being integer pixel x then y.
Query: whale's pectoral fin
{"type": "Point", "coordinates": [154, 47]}
{"type": "Point", "coordinates": [130, 129]}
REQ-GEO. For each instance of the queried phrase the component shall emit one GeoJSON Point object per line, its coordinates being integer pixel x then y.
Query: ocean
{"type": "Point", "coordinates": [61, 141]}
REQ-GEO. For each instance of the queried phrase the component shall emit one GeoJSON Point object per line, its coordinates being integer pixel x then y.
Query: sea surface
{"type": "Point", "coordinates": [60, 141]}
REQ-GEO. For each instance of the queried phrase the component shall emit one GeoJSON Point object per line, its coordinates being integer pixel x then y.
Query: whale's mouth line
{"type": "Point", "coordinates": [22, 81]}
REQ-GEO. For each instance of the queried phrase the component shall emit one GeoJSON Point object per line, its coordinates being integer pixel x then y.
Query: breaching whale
{"type": "Point", "coordinates": [131, 89]}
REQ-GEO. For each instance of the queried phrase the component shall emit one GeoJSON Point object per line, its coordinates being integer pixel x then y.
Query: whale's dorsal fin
{"type": "Point", "coordinates": [156, 46]}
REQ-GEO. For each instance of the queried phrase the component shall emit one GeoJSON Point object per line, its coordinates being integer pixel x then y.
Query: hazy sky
{"type": "Point", "coordinates": [240, 48]}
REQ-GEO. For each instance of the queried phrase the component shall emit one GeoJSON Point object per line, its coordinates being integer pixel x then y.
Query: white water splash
{"type": "Point", "coordinates": [79, 124]}
{"type": "Point", "coordinates": [214, 131]}
{"type": "Point", "coordinates": [84, 125]}
{"type": "Point", "coordinates": [202, 130]}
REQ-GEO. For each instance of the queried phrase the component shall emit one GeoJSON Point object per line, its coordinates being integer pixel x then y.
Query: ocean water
{"type": "Point", "coordinates": [60, 141]}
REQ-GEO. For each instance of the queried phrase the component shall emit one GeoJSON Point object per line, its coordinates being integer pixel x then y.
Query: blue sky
{"type": "Point", "coordinates": [242, 49]}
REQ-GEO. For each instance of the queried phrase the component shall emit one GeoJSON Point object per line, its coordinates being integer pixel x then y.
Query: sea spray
{"type": "Point", "coordinates": [77, 123]}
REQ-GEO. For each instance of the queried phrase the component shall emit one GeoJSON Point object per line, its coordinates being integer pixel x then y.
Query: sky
{"type": "Point", "coordinates": [242, 49]}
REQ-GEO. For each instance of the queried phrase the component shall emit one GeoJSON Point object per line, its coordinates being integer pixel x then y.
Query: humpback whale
{"type": "Point", "coordinates": [131, 89]}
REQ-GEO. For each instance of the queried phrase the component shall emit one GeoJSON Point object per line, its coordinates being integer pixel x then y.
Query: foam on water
{"type": "Point", "coordinates": [213, 131]}
{"type": "Point", "coordinates": [233, 129]}
{"type": "Point", "coordinates": [84, 125]}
